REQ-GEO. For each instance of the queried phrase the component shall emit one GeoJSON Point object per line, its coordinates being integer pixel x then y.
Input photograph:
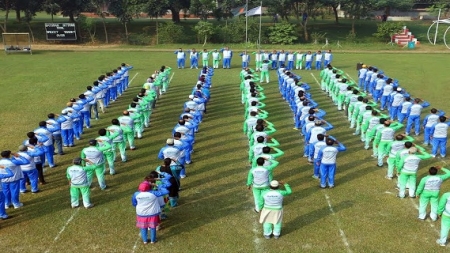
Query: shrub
{"type": "Point", "coordinates": [385, 30]}
{"type": "Point", "coordinates": [282, 33]}
{"type": "Point", "coordinates": [169, 33]}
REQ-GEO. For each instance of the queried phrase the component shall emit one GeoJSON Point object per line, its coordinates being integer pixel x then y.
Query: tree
{"type": "Point", "coordinates": [155, 9]}
{"type": "Point", "coordinates": [282, 33]}
{"type": "Point", "coordinates": [334, 4]}
{"type": "Point", "coordinates": [303, 11]}
{"type": "Point", "coordinates": [87, 25]}
{"type": "Point", "coordinates": [443, 6]}
{"type": "Point", "coordinates": [280, 7]}
{"type": "Point", "coordinates": [357, 9]}
{"type": "Point", "coordinates": [30, 10]}
{"type": "Point", "coordinates": [202, 8]}
{"type": "Point", "coordinates": [204, 30]}
{"type": "Point", "coordinates": [72, 8]}
{"type": "Point", "coordinates": [124, 11]}
{"type": "Point", "coordinates": [99, 7]}
{"type": "Point", "coordinates": [50, 7]}
{"type": "Point", "coordinates": [6, 6]}
{"type": "Point", "coordinates": [388, 5]}
{"type": "Point", "coordinates": [175, 6]}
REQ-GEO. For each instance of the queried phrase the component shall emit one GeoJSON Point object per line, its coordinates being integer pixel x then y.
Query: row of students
{"type": "Point", "coordinates": [161, 187]}
{"type": "Point", "coordinates": [278, 59]}
{"type": "Point", "coordinates": [263, 152]}
{"type": "Point", "coordinates": [27, 164]}
{"type": "Point", "coordinates": [319, 147]}
{"type": "Point", "coordinates": [403, 155]}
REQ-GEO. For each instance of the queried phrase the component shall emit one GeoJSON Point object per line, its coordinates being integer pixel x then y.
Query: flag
{"type": "Point", "coordinates": [239, 10]}
{"type": "Point", "coordinates": [254, 11]}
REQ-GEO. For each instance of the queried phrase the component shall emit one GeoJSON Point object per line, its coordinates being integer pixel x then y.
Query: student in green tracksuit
{"type": "Point", "coordinates": [109, 154]}
{"type": "Point", "coordinates": [127, 124]}
{"type": "Point", "coordinates": [216, 58]}
{"type": "Point", "coordinates": [393, 148]}
{"type": "Point", "coordinates": [408, 167]}
{"type": "Point", "coordinates": [93, 155]}
{"type": "Point", "coordinates": [205, 57]}
{"type": "Point", "coordinates": [119, 141]}
{"type": "Point", "coordinates": [299, 57]}
{"type": "Point", "coordinates": [256, 149]}
{"type": "Point", "coordinates": [428, 191]}
{"type": "Point", "coordinates": [258, 180]}
{"type": "Point", "coordinates": [258, 59]}
{"type": "Point", "coordinates": [266, 154]}
{"type": "Point", "coordinates": [444, 212]}
{"type": "Point", "coordinates": [138, 117]}
{"type": "Point", "coordinates": [384, 138]}
{"type": "Point", "coordinates": [271, 205]}
{"type": "Point", "coordinates": [265, 71]}
{"type": "Point", "coordinates": [79, 183]}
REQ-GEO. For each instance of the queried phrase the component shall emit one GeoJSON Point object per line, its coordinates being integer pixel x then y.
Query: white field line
{"type": "Point", "coordinates": [256, 237]}
{"type": "Point", "coordinates": [170, 80]}
{"type": "Point", "coordinates": [64, 227]}
{"type": "Point", "coordinates": [338, 223]}
{"type": "Point", "coordinates": [136, 243]}
{"type": "Point", "coordinates": [133, 78]}
{"type": "Point", "coordinates": [315, 79]}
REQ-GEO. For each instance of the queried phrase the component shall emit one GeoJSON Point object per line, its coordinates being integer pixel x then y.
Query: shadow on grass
{"type": "Point", "coordinates": [314, 216]}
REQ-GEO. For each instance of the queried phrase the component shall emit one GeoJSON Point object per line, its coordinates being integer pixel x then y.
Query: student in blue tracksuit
{"type": "Point", "coordinates": [428, 123]}
{"type": "Point", "coordinates": [282, 59]}
{"type": "Point", "coordinates": [328, 58]}
{"type": "Point", "coordinates": [274, 58]}
{"type": "Point", "coordinates": [227, 54]}
{"type": "Point", "coordinates": [48, 145]}
{"type": "Point", "coordinates": [362, 77]}
{"type": "Point", "coordinates": [319, 59]}
{"type": "Point", "coordinates": [245, 59]}
{"type": "Point", "coordinates": [314, 154]}
{"type": "Point", "coordinates": [439, 137]}
{"type": "Point", "coordinates": [413, 114]}
{"type": "Point", "coordinates": [4, 174]}
{"type": "Point", "coordinates": [193, 56]}
{"type": "Point", "coordinates": [308, 60]}
{"type": "Point", "coordinates": [395, 100]}
{"type": "Point", "coordinates": [54, 126]}
{"type": "Point", "coordinates": [29, 170]}
{"type": "Point", "coordinates": [327, 162]}
{"type": "Point", "coordinates": [11, 185]}
{"type": "Point", "coordinates": [181, 56]}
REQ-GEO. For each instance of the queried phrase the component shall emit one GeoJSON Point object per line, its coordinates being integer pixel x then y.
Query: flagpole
{"type": "Point", "coordinates": [260, 21]}
{"type": "Point", "coordinates": [246, 29]}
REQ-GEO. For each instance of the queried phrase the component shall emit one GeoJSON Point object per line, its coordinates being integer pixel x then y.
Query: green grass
{"type": "Point", "coordinates": [215, 214]}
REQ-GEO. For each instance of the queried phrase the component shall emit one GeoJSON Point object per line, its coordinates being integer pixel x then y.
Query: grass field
{"type": "Point", "coordinates": [361, 214]}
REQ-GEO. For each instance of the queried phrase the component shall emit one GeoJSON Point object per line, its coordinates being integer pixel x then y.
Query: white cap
{"type": "Point", "coordinates": [170, 141]}
{"type": "Point", "coordinates": [399, 89]}
{"type": "Point", "coordinates": [274, 183]}
{"type": "Point", "coordinates": [153, 76]}
{"type": "Point", "coordinates": [191, 96]}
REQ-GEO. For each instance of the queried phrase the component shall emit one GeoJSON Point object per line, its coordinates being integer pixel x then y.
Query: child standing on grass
{"type": "Point", "coordinates": [271, 202]}
{"type": "Point", "coordinates": [148, 209]}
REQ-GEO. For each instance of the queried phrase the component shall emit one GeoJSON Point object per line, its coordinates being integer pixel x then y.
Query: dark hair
{"type": "Point", "coordinates": [433, 171]}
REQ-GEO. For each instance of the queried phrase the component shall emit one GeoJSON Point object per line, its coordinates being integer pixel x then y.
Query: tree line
{"type": "Point", "coordinates": [126, 10]}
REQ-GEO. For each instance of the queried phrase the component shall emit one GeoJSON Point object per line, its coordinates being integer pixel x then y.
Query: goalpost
{"type": "Point", "coordinates": [16, 42]}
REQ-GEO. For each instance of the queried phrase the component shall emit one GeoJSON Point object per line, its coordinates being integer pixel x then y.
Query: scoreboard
{"type": "Point", "coordinates": [60, 31]}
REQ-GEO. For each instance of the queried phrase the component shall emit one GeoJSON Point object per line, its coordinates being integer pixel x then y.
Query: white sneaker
{"type": "Point", "coordinates": [439, 242]}
{"type": "Point", "coordinates": [18, 206]}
